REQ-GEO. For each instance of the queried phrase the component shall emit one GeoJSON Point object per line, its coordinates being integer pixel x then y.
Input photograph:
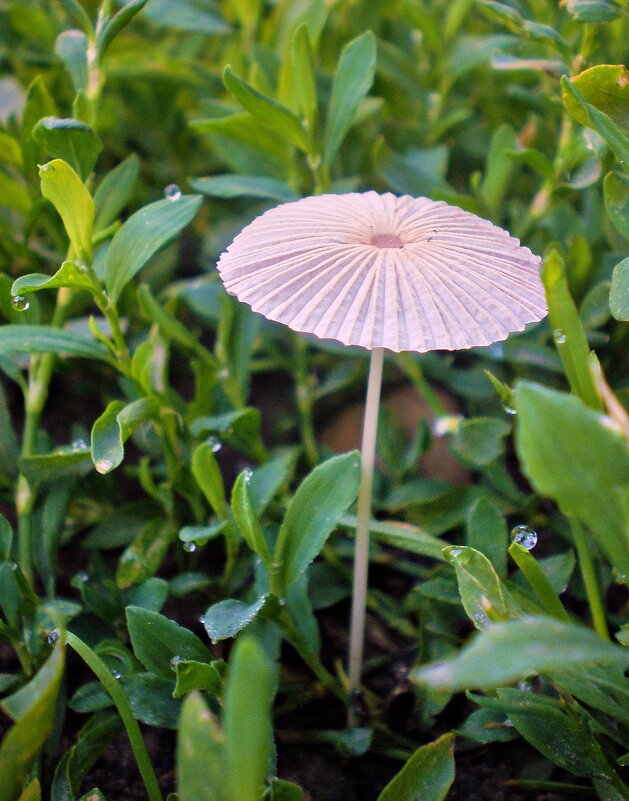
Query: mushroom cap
{"type": "Point", "coordinates": [374, 270]}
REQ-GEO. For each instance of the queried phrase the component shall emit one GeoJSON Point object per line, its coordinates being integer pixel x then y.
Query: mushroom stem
{"type": "Point", "coordinates": [361, 550]}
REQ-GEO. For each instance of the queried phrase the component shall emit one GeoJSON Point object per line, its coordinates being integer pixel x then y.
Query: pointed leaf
{"type": "Point", "coordinates": [321, 499]}
{"type": "Point", "coordinates": [64, 189]}
{"type": "Point", "coordinates": [143, 234]}
{"type": "Point", "coordinates": [427, 775]}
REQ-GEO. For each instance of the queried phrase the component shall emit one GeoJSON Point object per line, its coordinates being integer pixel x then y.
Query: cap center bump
{"type": "Point", "coordinates": [386, 241]}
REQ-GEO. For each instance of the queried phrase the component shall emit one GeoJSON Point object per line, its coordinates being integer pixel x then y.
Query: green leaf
{"type": "Point", "coordinates": [241, 429]}
{"type": "Point", "coordinates": [64, 189]}
{"type": "Point", "coordinates": [619, 294]}
{"type": "Point", "coordinates": [499, 167]}
{"type": "Point", "coordinates": [231, 186]}
{"type": "Point", "coordinates": [44, 339]}
{"type": "Point", "coordinates": [93, 738]}
{"type": "Point", "coordinates": [14, 195]}
{"type": "Point", "coordinates": [71, 47]}
{"type": "Point", "coordinates": [200, 767]}
{"type": "Point", "coordinates": [246, 520]}
{"type": "Point", "coordinates": [594, 11]}
{"type": "Point", "coordinates": [426, 776]}
{"type": "Point", "coordinates": [32, 708]}
{"type": "Point", "coordinates": [78, 13]}
{"type": "Point", "coordinates": [486, 531]}
{"type": "Point", "coordinates": [247, 720]}
{"type": "Point", "coordinates": [208, 476]}
{"type": "Point", "coordinates": [226, 618]}
{"type": "Point", "coordinates": [70, 274]}
{"type": "Point", "coordinates": [511, 651]}
{"type": "Point", "coordinates": [302, 78]}
{"type": "Point", "coordinates": [269, 478]}
{"type": "Point", "coordinates": [115, 24]}
{"type": "Point", "coordinates": [322, 497]}
{"type": "Point", "coordinates": [606, 87]}
{"type": "Point", "coordinates": [479, 441]}
{"type": "Point", "coordinates": [352, 80]}
{"type": "Point", "coordinates": [484, 597]}
{"type": "Point", "coordinates": [285, 791]}
{"type": "Point", "coordinates": [70, 140]}
{"type": "Point", "coordinates": [146, 553]}
{"type": "Point", "coordinates": [32, 792]}
{"type": "Point", "coordinates": [538, 581]}
{"type": "Point", "coordinates": [571, 454]}
{"type": "Point", "coordinates": [419, 171]}
{"type": "Point", "coordinates": [568, 331]}
{"type": "Point", "coordinates": [114, 192]}
{"type": "Point", "coordinates": [142, 235]}
{"type": "Point", "coordinates": [598, 120]}
{"type": "Point", "coordinates": [617, 201]}
{"type": "Point", "coordinates": [187, 15]}
{"type": "Point", "coordinates": [401, 535]}
{"type": "Point", "coordinates": [66, 460]}
{"type": "Point", "coordinates": [6, 539]}
{"type": "Point", "coordinates": [194, 675]}
{"type": "Point", "coordinates": [10, 150]}
{"type": "Point", "coordinates": [157, 641]}
{"type": "Point", "coordinates": [114, 427]}
{"type": "Point", "coordinates": [561, 735]}
{"type": "Point", "coordinates": [268, 111]}
{"type": "Point", "coordinates": [201, 533]}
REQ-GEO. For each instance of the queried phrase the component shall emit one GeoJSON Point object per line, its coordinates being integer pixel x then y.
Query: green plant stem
{"type": "Point", "coordinates": [361, 552]}
{"type": "Point", "coordinates": [121, 701]}
{"type": "Point", "coordinates": [586, 564]}
{"type": "Point", "coordinates": [305, 401]}
{"type": "Point", "coordinates": [40, 374]}
{"type": "Point", "coordinates": [295, 638]}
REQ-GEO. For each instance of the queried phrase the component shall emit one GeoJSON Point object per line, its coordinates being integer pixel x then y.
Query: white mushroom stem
{"type": "Point", "coordinates": [361, 551]}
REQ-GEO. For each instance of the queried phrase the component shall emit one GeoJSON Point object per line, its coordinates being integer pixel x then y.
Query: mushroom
{"type": "Point", "coordinates": [383, 273]}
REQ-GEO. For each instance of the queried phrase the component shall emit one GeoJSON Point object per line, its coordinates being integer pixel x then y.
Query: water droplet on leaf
{"type": "Point", "coordinates": [175, 661]}
{"type": "Point", "coordinates": [446, 424]}
{"type": "Point", "coordinates": [248, 474]}
{"type": "Point", "coordinates": [172, 192]}
{"type": "Point", "coordinates": [215, 444]}
{"type": "Point", "coordinates": [53, 637]}
{"type": "Point", "coordinates": [78, 445]}
{"type": "Point", "coordinates": [509, 409]}
{"type": "Point", "coordinates": [189, 547]}
{"type": "Point", "coordinates": [524, 536]}
{"type": "Point", "coordinates": [103, 465]}
{"type": "Point", "coordinates": [559, 336]}
{"type": "Point", "coordinates": [116, 673]}
{"type": "Point", "coordinates": [20, 303]}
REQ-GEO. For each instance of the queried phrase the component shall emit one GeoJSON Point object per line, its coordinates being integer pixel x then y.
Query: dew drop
{"type": "Point", "coordinates": [103, 465]}
{"type": "Point", "coordinates": [189, 547]}
{"type": "Point", "coordinates": [455, 552]}
{"type": "Point", "coordinates": [446, 424]}
{"type": "Point", "coordinates": [215, 444]}
{"type": "Point", "coordinates": [202, 620]}
{"type": "Point", "coordinates": [248, 475]}
{"type": "Point", "coordinates": [559, 336]}
{"type": "Point", "coordinates": [175, 661]}
{"type": "Point", "coordinates": [172, 192]}
{"type": "Point", "coordinates": [20, 303]}
{"type": "Point", "coordinates": [509, 409]}
{"type": "Point", "coordinates": [524, 536]}
{"type": "Point", "coordinates": [83, 577]}
{"type": "Point", "coordinates": [618, 576]}
{"type": "Point", "coordinates": [223, 373]}
{"type": "Point", "coordinates": [53, 637]}
{"type": "Point", "coordinates": [116, 673]}
{"type": "Point", "coordinates": [78, 445]}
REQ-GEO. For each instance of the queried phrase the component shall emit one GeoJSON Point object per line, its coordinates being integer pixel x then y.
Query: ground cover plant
{"type": "Point", "coordinates": [178, 475]}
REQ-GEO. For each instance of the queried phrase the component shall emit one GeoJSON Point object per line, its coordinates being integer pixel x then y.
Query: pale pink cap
{"type": "Point", "coordinates": [375, 270]}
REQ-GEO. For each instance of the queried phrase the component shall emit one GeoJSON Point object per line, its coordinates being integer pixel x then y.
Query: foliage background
{"type": "Point", "coordinates": [135, 391]}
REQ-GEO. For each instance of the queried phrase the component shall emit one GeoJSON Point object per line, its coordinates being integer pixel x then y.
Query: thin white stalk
{"type": "Point", "coordinates": [361, 548]}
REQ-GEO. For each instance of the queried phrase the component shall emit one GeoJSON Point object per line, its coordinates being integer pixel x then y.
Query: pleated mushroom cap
{"type": "Point", "coordinates": [375, 270]}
